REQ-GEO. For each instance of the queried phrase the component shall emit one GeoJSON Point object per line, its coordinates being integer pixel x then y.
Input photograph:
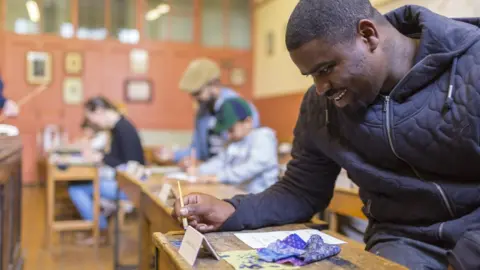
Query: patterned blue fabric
{"type": "Point", "coordinates": [294, 250]}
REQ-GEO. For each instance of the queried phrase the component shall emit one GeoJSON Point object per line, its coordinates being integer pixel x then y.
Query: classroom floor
{"type": "Point", "coordinates": [65, 255]}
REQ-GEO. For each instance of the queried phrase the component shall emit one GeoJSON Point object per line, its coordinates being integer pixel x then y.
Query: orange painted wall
{"type": "Point", "coordinates": [280, 113]}
{"type": "Point", "coordinates": [106, 66]}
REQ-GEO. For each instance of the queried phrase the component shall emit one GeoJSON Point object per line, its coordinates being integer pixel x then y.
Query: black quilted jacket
{"type": "Point", "coordinates": [414, 154]}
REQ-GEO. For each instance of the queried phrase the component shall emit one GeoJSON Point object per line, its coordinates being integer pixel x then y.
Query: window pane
{"type": "Point", "coordinates": [56, 18]}
{"type": "Point", "coordinates": [212, 23]}
{"type": "Point", "coordinates": [182, 28]}
{"type": "Point", "coordinates": [156, 24]}
{"type": "Point", "coordinates": [91, 19]}
{"type": "Point", "coordinates": [18, 19]}
{"type": "Point", "coordinates": [174, 23]}
{"type": "Point", "coordinates": [123, 21]}
{"type": "Point", "coordinates": [239, 28]}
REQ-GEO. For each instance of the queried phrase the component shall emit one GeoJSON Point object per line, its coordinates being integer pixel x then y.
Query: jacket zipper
{"type": "Point", "coordinates": [390, 141]}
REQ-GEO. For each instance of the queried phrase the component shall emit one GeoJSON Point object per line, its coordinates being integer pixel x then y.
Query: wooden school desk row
{"type": "Point", "coordinates": [10, 203]}
{"type": "Point", "coordinates": [157, 229]}
{"type": "Point", "coordinates": [155, 214]}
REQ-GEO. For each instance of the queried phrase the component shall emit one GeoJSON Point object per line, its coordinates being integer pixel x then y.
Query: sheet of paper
{"type": "Point", "coordinates": [262, 240]}
{"type": "Point", "coordinates": [248, 259]}
{"type": "Point", "coordinates": [181, 176]}
{"type": "Point", "coordinates": [164, 169]}
{"type": "Point", "coordinates": [165, 192]}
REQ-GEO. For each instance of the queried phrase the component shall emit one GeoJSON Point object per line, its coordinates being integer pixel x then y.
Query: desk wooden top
{"type": "Point", "coordinates": [133, 187]}
{"type": "Point", "coordinates": [351, 256]}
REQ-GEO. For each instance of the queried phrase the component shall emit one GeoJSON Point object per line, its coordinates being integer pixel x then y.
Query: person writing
{"type": "Point", "coordinates": [249, 159]}
{"type": "Point", "coordinates": [202, 81]}
{"type": "Point", "coordinates": [395, 102]}
{"type": "Point", "coordinates": [125, 145]}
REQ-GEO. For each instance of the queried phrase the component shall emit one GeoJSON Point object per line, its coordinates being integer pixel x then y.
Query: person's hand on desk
{"type": "Point", "coordinates": [205, 213]}
{"type": "Point", "coordinates": [207, 179]}
{"type": "Point", "coordinates": [164, 153]}
{"type": "Point", "coordinates": [10, 109]}
{"type": "Point", "coordinates": [90, 155]}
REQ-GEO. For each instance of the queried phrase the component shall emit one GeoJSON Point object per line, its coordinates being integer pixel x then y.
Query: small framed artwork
{"type": "Point", "coordinates": [270, 43]}
{"type": "Point", "coordinates": [73, 63]}
{"type": "Point", "coordinates": [39, 67]}
{"type": "Point", "coordinates": [138, 90]}
{"type": "Point", "coordinates": [238, 76]}
{"type": "Point", "coordinates": [72, 90]}
{"type": "Point", "coordinates": [139, 61]}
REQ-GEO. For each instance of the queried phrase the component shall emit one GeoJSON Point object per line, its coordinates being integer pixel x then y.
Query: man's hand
{"type": "Point", "coordinates": [204, 212]}
{"type": "Point", "coordinates": [10, 108]}
{"type": "Point", "coordinates": [207, 179]}
{"type": "Point", "coordinates": [90, 155]}
{"type": "Point", "coordinates": [164, 153]}
{"type": "Point", "coordinates": [186, 164]}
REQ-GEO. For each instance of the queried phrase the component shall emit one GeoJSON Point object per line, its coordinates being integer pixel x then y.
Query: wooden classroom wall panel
{"type": "Point", "coordinates": [280, 113]}
{"type": "Point", "coordinates": [106, 67]}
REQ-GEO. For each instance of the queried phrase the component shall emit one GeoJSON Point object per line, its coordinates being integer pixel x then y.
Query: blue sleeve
{"type": "Point", "coordinates": [2, 98]}
{"type": "Point", "coordinates": [306, 188]}
{"type": "Point", "coordinates": [185, 152]}
{"type": "Point", "coordinates": [262, 157]}
{"type": "Point", "coordinates": [255, 115]}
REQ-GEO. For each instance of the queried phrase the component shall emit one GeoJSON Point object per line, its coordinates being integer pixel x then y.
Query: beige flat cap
{"type": "Point", "coordinates": [199, 72]}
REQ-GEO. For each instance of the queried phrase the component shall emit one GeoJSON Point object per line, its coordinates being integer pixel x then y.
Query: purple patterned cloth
{"type": "Point", "coordinates": [295, 251]}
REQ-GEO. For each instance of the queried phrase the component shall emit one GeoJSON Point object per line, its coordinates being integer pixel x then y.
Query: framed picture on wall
{"type": "Point", "coordinates": [270, 43]}
{"type": "Point", "coordinates": [238, 76]}
{"type": "Point", "coordinates": [73, 63]}
{"type": "Point", "coordinates": [139, 61]}
{"type": "Point", "coordinates": [39, 67]}
{"type": "Point", "coordinates": [72, 90]}
{"type": "Point", "coordinates": [138, 91]}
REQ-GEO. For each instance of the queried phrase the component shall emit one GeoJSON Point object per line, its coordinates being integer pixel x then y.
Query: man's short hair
{"type": "Point", "coordinates": [331, 20]}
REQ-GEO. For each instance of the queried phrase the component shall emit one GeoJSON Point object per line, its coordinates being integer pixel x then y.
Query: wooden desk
{"type": "Point", "coordinates": [72, 172]}
{"type": "Point", "coordinates": [155, 216]}
{"type": "Point", "coordinates": [133, 188]}
{"type": "Point", "coordinates": [344, 202]}
{"type": "Point", "coordinates": [10, 203]}
{"type": "Point", "coordinates": [352, 256]}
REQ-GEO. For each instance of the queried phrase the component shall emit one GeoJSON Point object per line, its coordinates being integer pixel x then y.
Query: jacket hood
{"type": "Point", "coordinates": [442, 40]}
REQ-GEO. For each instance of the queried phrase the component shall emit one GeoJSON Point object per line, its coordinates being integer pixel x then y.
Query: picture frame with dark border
{"type": "Point", "coordinates": [138, 90]}
{"type": "Point", "coordinates": [38, 67]}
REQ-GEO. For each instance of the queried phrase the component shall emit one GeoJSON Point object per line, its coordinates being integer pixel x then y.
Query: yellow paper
{"type": "Point", "coordinates": [248, 259]}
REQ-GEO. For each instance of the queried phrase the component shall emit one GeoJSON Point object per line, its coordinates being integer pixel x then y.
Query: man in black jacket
{"type": "Point", "coordinates": [396, 103]}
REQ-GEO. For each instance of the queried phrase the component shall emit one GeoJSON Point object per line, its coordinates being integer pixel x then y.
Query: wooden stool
{"type": "Point", "coordinates": [76, 172]}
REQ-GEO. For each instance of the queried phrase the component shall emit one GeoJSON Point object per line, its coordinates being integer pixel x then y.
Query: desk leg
{"type": "Point", "coordinates": [96, 211]}
{"type": "Point", "coordinates": [156, 258]}
{"type": "Point", "coordinates": [50, 208]}
{"type": "Point", "coordinates": [2, 222]}
{"type": "Point", "coordinates": [116, 232]}
{"type": "Point", "coordinates": [145, 240]}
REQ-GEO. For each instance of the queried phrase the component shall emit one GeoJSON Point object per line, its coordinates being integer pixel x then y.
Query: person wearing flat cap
{"type": "Point", "coordinates": [201, 80]}
{"type": "Point", "coordinates": [249, 160]}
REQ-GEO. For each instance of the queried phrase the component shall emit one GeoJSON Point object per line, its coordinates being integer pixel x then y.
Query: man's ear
{"type": "Point", "coordinates": [369, 33]}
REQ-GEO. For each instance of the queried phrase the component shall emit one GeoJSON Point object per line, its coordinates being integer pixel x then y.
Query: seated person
{"type": "Point", "coordinates": [94, 136]}
{"type": "Point", "coordinates": [250, 157]}
{"type": "Point", "coordinates": [125, 146]}
{"type": "Point", "coordinates": [201, 80]}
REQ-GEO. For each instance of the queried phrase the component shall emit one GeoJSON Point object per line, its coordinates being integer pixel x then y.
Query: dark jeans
{"type": "Point", "coordinates": [413, 254]}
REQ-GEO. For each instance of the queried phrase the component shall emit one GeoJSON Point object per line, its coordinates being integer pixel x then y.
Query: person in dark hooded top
{"type": "Point", "coordinates": [396, 103]}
